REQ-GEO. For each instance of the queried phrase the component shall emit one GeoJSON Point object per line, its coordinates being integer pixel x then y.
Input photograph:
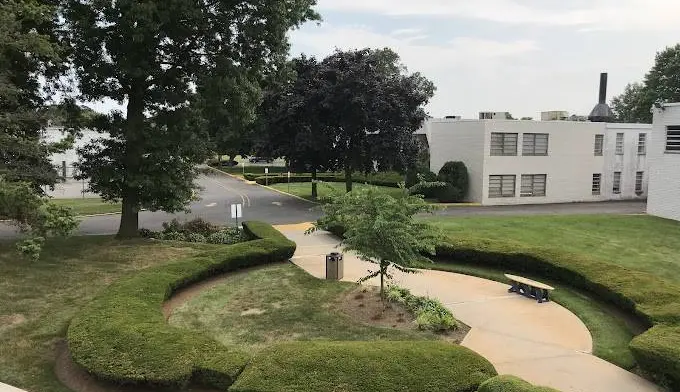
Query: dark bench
{"type": "Point", "coordinates": [529, 288]}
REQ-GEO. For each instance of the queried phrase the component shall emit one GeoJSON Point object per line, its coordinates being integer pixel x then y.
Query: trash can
{"type": "Point", "coordinates": [334, 266]}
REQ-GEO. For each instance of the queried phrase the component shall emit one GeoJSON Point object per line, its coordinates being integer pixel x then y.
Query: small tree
{"type": "Point", "coordinates": [456, 175]}
{"type": "Point", "coordinates": [381, 229]}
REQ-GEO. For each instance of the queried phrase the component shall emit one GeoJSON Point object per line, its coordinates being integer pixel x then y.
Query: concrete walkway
{"type": "Point", "coordinates": [9, 388]}
{"type": "Point", "coordinates": [544, 344]}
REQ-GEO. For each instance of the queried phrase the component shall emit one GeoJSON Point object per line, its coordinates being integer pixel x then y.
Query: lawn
{"type": "Point", "coordinates": [304, 189]}
{"type": "Point", "coordinates": [88, 206]}
{"type": "Point", "coordinates": [293, 306]}
{"type": "Point", "coordinates": [636, 242]}
{"type": "Point", "coordinates": [39, 298]}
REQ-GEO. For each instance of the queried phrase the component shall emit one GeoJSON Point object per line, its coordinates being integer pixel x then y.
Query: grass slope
{"type": "Point", "coordinates": [88, 206]}
{"type": "Point", "coordinates": [304, 189]}
{"type": "Point", "coordinates": [294, 307]}
{"type": "Point", "coordinates": [39, 298]}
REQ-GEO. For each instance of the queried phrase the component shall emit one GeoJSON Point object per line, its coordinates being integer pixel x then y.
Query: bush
{"type": "Point", "coordinates": [418, 175]}
{"type": "Point", "coordinates": [510, 384]}
{"type": "Point", "coordinates": [365, 366]}
{"type": "Point", "coordinates": [428, 190]}
{"type": "Point", "coordinates": [122, 336]}
{"type": "Point", "coordinates": [196, 237]}
{"type": "Point", "coordinates": [456, 174]}
{"type": "Point", "coordinates": [388, 179]}
{"type": "Point", "coordinates": [450, 194]}
{"type": "Point", "coordinates": [653, 300]}
{"type": "Point", "coordinates": [197, 226]}
{"type": "Point", "coordinates": [430, 313]}
{"type": "Point", "coordinates": [173, 236]}
{"type": "Point", "coordinates": [226, 237]}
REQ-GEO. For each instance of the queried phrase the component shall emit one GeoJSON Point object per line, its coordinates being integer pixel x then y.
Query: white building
{"type": "Point", "coordinates": [664, 161]}
{"type": "Point", "coordinates": [70, 157]}
{"type": "Point", "coordinates": [534, 162]}
{"type": "Point", "coordinates": [555, 115]}
{"type": "Point", "coordinates": [494, 115]}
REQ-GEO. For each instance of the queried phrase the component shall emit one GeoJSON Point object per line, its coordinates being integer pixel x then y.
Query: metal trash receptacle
{"type": "Point", "coordinates": [334, 266]}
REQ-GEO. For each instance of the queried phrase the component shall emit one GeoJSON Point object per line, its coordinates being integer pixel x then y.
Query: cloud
{"type": "Point", "coordinates": [592, 15]}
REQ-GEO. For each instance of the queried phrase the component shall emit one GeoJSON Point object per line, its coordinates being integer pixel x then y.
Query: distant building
{"type": "Point", "coordinates": [495, 116]}
{"type": "Point", "coordinates": [555, 115]}
{"type": "Point", "coordinates": [67, 159]}
{"type": "Point", "coordinates": [538, 162]}
{"type": "Point", "coordinates": [664, 161]}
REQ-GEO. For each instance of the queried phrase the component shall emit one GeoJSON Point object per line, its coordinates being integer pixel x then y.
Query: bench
{"type": "Point", "coordinates": [530, 288]}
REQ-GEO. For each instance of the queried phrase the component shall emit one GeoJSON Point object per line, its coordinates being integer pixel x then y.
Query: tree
{"type": "Point", "coordinates": [629, 107]}
{"type": "Point", "coordinates": [150, 55]}
{"type": "Point", "coordinates": [382, 230]}
{"type": "Point", "coordinates": [29, 52]}
{"type": "Point", "coordinates": [661, 84]}
{"type": "Point", "coordinates": [454, 174]}
{"type": "Point", "coordinates": [290, 122]}
{"type": "Point", "coordinates": [369, 102]}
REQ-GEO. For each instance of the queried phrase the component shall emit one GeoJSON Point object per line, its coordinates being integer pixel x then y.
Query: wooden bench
{"type": "Point", "coordinates": [529, 288]}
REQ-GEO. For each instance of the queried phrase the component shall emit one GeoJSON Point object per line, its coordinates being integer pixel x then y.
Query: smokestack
{"type": "Point", "coordinates": [603, 87]}
{"type": "Point", "coordinates": [602, 112]}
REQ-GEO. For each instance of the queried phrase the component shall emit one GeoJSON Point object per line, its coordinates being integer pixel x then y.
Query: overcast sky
{"type": "Point", "coordinates": [521, 56]}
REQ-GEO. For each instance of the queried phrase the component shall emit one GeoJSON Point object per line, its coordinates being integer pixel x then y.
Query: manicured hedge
{"type": "Point", "coordinates": [381, 366]}
{"type": "Point", "coordinates": [653, 300]}
{"type": "Point", "coordinates": [387, 179]}
{"type": "Point", "coordinates": [511, 384]}
{"type": "Point", "coordinates": [123, 337]}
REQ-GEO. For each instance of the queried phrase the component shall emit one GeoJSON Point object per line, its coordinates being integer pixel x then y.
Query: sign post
{"type": "Point", "coordinates": [266, 176]}
{"type": "Point", "coordinates": [288, 181]}
{"type": "Point", "coordinates": [236, 212]}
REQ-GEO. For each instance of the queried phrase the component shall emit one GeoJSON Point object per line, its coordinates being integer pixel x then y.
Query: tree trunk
{"type": "Point", "coordinates": [315, 189]}
{"type": "Point", "coordinates": [348, 178]}
{"type": "Point", "coordinates": [129, 219]}
{"type": "Point", "coordinates": [383, 271]}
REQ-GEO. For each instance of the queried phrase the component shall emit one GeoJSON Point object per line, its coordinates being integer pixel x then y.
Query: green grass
{"type": "Point", "coordinates": [40, 298]}
{"type": "Point", "coordinates": [365, 366]}
{"type": "Point", "coordinates": [304, 189]}
{"type": "Point", "coordinates": [88, 206]}
{"type": "Point", "coordinates": [295, 305]}
{"type": "Point", "coordinates": [640, 243]}
{"type": "Point", "coordinates": [611, 331]}
{"type": "Point", "coordinates": [511, 384]}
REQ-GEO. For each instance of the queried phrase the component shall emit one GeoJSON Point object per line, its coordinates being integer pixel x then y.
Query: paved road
{"type": "Point", "coordinates": [219, 191]}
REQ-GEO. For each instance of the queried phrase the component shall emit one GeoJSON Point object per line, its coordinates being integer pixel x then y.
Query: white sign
{"type": "Point", "coordinates": [266, 170]}
{"type": "Point", "coordinates": [288, 174]}
{"type": "Point", "coordinates": [236, 211]}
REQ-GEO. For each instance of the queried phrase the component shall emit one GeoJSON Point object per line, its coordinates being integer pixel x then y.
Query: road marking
{"type": "Point", "coordinates": [277, 203]}
{"type": "Point", "coordinates": [211, 205]}
{"type": "Point", "coordinates": [244, 198]}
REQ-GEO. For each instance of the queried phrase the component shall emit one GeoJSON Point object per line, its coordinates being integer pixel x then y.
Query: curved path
{"type": "Point", "coordinates": [544, 344]}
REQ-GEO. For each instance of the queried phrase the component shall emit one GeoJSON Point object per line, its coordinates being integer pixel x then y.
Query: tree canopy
{"type": "Point", "coordinates": [153, 56]}
{"type": "Point", "coordinates": [661, 84]}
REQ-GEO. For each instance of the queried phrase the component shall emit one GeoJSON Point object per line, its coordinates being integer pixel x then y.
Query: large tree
{"type": "Point", "coordinates": [371, 102]}
{"type": "Point", "coordinates": [289, 123]}
{"type": "Point", "coordinates": [661, 84]}
{"type": "Point", "coordinates": [150, 55]}
{"type": "Point", "coordinates": [29, 63]}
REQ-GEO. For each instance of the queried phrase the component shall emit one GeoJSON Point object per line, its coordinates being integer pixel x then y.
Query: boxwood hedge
{"type": "Point", "coordinates": [653, 300]}
{"type": "Point", "coordinates": [387, 179]}
{"type": "Point", "coordinates": [510, 384]}
{"type": "Point", "coordinates": [123, 337]}
{"type": "Point", "coordinates": [380, 366]}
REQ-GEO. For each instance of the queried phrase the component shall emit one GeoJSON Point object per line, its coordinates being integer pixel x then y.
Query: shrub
{"type": "Point", "coordinates": [122, 336]}
{"type": "Point", "coordinates": [456, 174]}
{"type": "Point", "coordinates": [430, 313]}
{"type": "Point", "coordinates": [226, 237]}
{"type": "Point", "coordinates": [428, 190]}
{"type": "Point", "coordinates": [653, 300]}
{"type": "Point", "coordinates": [418, 175]}
{"type": "Point", "coordinates": [510, 384]}
{"type": "Point", "coordinates": [450, 194]}
{"type": "Point", "coordinates": [388, 179]}
{"type": "Point", "coordinates": [196, 237]}
{"type": "Point", "coordinates": [173, 236]}
{"type": "Point", "coordinates": [198, 226]}
{"type": "Point", "coordinates": [365, 366]}
{"type": "Point", "coordinates": [146, 233]}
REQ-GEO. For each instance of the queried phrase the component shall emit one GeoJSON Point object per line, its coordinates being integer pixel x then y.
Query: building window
{"type": "Point", "coordinates": [619, 144]}
{"type": "Point", "coordinates": [503, 144]}
{"type": "Point", "coordinates": [599, 145]}
{"type": "Point", "coordinates": [673, 138]}
{"type": "Point", "coordinates": [642, 144]}
{"type": "Point", "coordinates": [535, 144]}
{"type": "Point", "coordinates": [639, 177]}
{"type": "Point", "coordinates": [597, 184]}
{"type": "Point", "coordinates": [502, 186]}
{"type": "Point", "coordinates": [533, 185]}
{"type": "Point", "coordinates": [616, 189]}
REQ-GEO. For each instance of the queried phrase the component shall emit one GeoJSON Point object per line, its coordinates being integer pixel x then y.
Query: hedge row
{"type": "Point", "coordinates": [510, 384]}
{"type": "Point", "coordinates": [653, 300]}
{"type": "Point", "coordinates": [388, 179]}
{"type": "Point", "coordinates": [123, 337]}
{"type": "Point", "coordinates": [365, 366]}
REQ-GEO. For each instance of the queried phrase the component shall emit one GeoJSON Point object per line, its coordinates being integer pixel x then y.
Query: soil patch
{"type": "Point", "coordinates": [363, 304]}
{"type": "Point", "coordinates": [12, 320]}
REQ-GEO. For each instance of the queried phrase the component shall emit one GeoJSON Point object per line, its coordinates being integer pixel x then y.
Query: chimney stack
{"type": "Point", "coordinates": [602, 112]}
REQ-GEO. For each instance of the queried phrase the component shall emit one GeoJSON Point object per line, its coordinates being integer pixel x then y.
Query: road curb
{"type": "Point", "coordinates": [229, 174]}
{"type": "Point", "coordinates": [288, 194]}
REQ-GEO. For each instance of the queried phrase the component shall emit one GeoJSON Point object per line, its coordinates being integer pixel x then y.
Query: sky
{"type": "Point", "coordinates": [521, 56]}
